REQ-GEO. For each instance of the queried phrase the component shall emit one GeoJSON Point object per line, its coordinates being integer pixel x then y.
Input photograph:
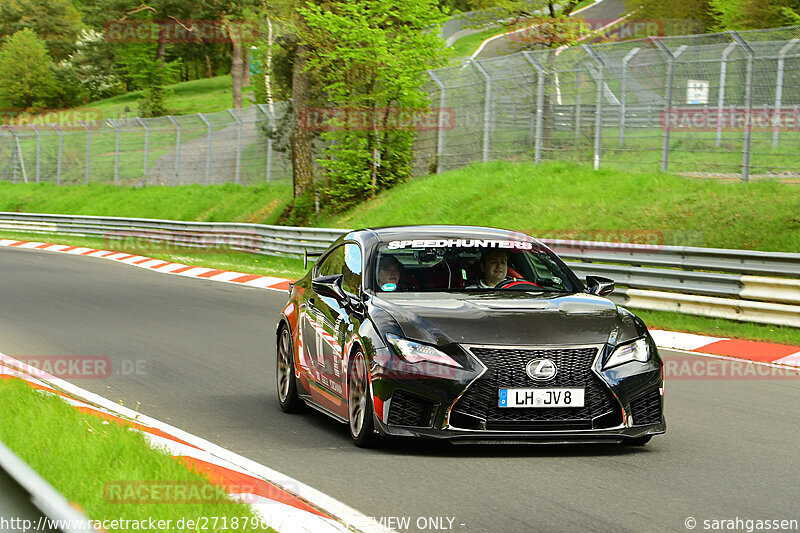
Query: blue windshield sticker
{"type": "Point", "coordinates": [388, 287]}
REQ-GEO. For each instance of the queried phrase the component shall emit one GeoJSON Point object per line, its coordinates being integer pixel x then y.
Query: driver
{"type": "Point", "coordinates": [390, 272]}
{"type": "Point", "coordinates": [494, 269]}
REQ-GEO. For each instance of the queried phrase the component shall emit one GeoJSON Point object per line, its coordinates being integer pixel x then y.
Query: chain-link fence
{"type": "Point", "coordinates": [726, 103]}
{"type": "Point", "coordinates": [722, 104]}
{"type": "Point", "coordinates": [234, 146]}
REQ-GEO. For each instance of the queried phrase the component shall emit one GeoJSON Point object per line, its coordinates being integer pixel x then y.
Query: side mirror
{"type": "Point", "coordinates": [599, 285]}
{"type": "Point", "coordinates": [330, 286]}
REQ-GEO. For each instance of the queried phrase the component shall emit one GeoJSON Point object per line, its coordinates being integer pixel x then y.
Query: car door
{"type": "Point", "coordinates": [326, 325]}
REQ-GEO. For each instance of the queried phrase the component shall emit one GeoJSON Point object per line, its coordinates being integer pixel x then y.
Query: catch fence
{"type": "Point", "coordinates": [724, 104]}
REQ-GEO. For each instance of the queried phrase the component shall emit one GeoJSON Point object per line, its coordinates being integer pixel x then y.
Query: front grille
{"type": "Point", "coordinates": [408, 410]}
{"type": "Point", "coordinates": [505, 367]}
{"type": "Point", "coordinates": [646, 408]}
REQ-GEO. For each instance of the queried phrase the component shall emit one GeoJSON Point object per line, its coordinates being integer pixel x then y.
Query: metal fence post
{"type": "Point", "coordinates": [146, 147]}
{"type": "Point", "coordinates": [598, 112]}
{"type": "Point", "coordinates": [177, 148]}
{"type": "Point", "coordinates": [271, 119]}
{"type": "Point", "coordinates": [18, 149]}
{"type": "Point", "coordinates": [623, 97]}
{"type": "Point", "coordinates": [487, 108]}
{"type": "Point", "coordinates": [208, 148]}
{"type": "Point", "coordinates": [668, 98]}
{"type": "Point", "coordinates": [578, 107]}
{"type": "Point", "coordinates": [60, 153]}
{"type": "Point", "coordinates": [540, 73]}
{"type": "Point", "coordinates": [38, 150]}
{"type": "Point", "coordinates": [115, 125]}
{"type": "Point", "coordinates": [776, 125]}
{"type": "Point", "coordinates": [723, 74]}
{"type": "Point", "coordinates": [748, 103]}
{"type": "Point", "coordinates": [238, 144]}
{"type": "Point", "coordinates": [440, 130]}
{"type": "Point", "coordinates": [88, 150]}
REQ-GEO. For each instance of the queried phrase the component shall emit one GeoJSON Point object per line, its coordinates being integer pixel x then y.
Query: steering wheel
{"type": "Point", "coordinates": [513, 282]}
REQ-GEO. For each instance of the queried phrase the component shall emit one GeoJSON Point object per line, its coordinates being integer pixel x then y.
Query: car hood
{"type": "Point", "coordinates": [507, 318]}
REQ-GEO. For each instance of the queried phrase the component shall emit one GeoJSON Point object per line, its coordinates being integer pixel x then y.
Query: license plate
{"type": "Point", "coordinates": [541, 398]}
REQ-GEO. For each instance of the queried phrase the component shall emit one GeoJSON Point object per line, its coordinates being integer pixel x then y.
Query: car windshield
{"type": "Point", "coordinates": [466, 264]}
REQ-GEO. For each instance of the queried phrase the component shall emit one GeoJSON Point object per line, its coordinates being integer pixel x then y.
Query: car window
{"type": "Point", "coordinates": [346, 260]}
{"type": "Point", "coordinates": [461, 264]}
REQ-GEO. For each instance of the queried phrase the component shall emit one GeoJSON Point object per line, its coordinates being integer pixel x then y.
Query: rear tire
{"type": "Point", "coordinates": [359, 403]}
{"type": "Point", "coordinates": [287, 386]}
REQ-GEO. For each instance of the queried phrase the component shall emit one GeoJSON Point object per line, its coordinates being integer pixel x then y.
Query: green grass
{"type": "Point", "coordinates": [468, 45]}
{"type": "Point", "coordinates": [197, 96]}
{"type": "Point", "coordinates": [261, 204]}
{"type": "Point", "coordinates": [560, 199]}
{"type": "Point", "coordinates": [82, 456]}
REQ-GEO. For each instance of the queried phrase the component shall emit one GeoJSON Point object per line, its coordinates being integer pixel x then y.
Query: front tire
{"type": "Point", "coordinates": [359, 403]}
{"type": "Point", "coordinates": [287, 386]}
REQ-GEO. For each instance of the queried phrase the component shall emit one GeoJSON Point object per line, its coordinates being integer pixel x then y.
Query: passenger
{"type": "Point", "coordinates": [494, 269]}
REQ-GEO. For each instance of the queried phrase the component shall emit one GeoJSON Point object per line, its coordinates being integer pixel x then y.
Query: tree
{"type": "Point", "coordinates": [371, 56]}
{"type": "Point", "coordinates": [55, 21]}
{"type": "Point", "coordinates": [26, 77]}
{"type": "Point", "coordinates": [754, 14]}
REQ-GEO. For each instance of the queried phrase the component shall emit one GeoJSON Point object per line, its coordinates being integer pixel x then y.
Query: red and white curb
{"type": "Point", "coordinates": [158, 265]}
{"type": "Point", "coordinates": [756, 351]}
{"type": "Point", "coordinates": [283, 503]}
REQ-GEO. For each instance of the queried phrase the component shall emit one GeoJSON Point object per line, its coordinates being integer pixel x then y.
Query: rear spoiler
{"type": "Point", "coordinates": [306, 255]}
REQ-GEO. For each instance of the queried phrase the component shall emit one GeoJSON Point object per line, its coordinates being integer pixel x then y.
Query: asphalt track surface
{"type": "Point", "coordinates": [605, 11]}
{"type": "Point", "coordinates": [205, 352]}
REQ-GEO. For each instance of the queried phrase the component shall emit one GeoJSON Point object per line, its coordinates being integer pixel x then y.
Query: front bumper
{"type": "Point", "coordinates": [611, 435]}
{"type": "Point", "coordinates": [623, 403]}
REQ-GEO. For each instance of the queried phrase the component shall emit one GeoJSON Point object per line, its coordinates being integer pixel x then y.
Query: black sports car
{"type": "Point", "coordinates": [465, 333]}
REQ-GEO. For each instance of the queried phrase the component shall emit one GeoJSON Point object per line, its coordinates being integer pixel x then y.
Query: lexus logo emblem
{"type": "Point", "coordinates": [541, 369]}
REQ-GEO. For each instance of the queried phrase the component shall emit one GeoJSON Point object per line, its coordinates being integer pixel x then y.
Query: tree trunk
{"type": "Point", "coordinates": [302, 161]}
{"type": "Point", "coordinates": [236, 67]}
{"type": "Point", "coordinates": [268, 68]}
{"type": "Point", "coordinates": [245, 66]}
{"type": "Point", "coordinates": [162, 46]}
{"type": "Point", "coordinates": [209, 72]}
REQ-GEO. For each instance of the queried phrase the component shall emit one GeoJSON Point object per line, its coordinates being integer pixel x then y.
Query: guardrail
{"type": "Point", "coordinates": [30, 502]}
{"type": "Point", "coordinates": [736, 284]}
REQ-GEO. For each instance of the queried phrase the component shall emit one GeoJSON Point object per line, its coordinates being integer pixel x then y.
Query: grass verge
{"type": "Point", "coordinates": [86, 458]}
{"type": "Point", "coordinates": [260, 204]}
{"type": "Point", "coordinates": [573, 201]}
{"type": "Point", "coordinates": [206, 95]}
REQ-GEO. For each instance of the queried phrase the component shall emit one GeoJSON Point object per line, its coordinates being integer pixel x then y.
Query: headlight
{"type": "Point", "coordinates": [414, 352]}
{"type": "Point", "coordinates": [632, 351]}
